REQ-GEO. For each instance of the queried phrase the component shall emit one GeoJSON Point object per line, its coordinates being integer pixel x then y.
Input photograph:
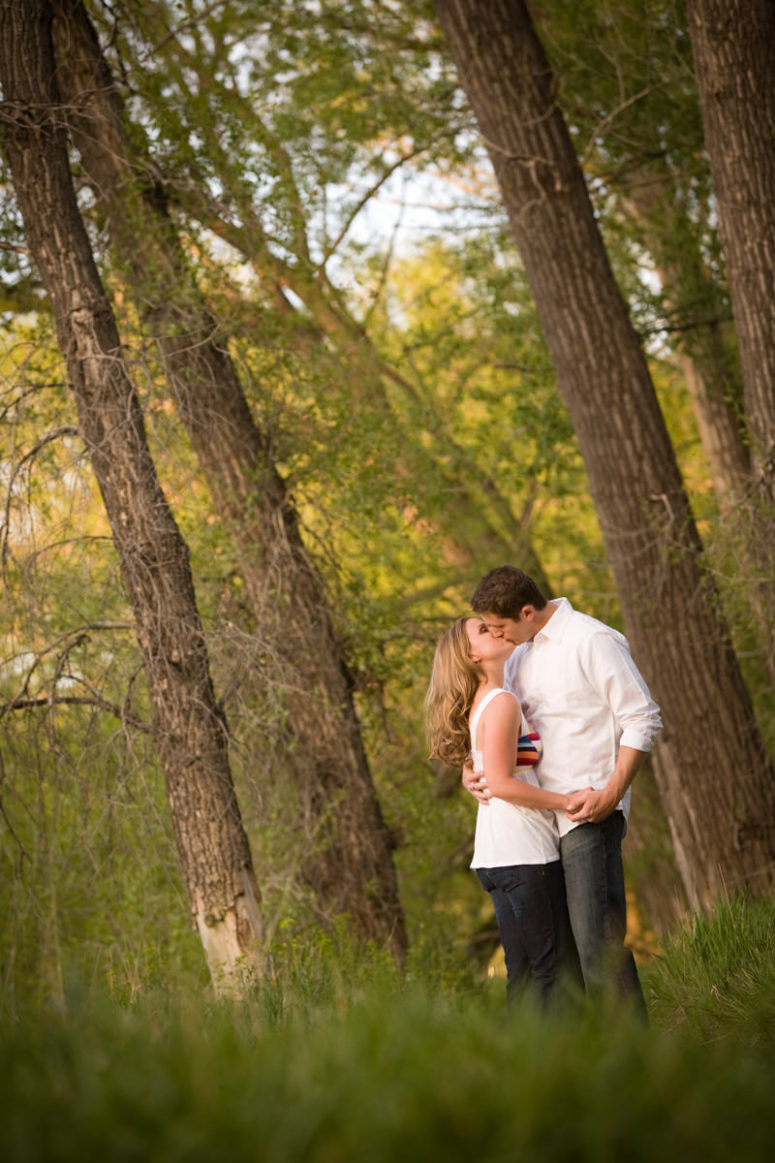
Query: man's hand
{"type": "Point", "coordinates": [589, 806]}
{"type": "Point", "coordinates": [594, 806]}
{"type": "Point", "coordinates": [475, 783]}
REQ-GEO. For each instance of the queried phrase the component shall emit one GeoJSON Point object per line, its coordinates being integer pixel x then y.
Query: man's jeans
{"type": "Point", "coordinates": [529, 902]}
{"type": "Point", "coordinates": [594, 885]}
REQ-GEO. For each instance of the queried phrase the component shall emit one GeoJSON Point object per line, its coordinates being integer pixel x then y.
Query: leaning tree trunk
{"type": "Point", "coordinates": [711, 378]}
{"type": "Point", "coordinates": [713, 390]}
{"type": "Point", "coordinates": [733, 46]}
{"type": "Point", "coordinates": [714, 775]}
{"type": "Point", "coordinates": [345, 848]}
{"type": "Point", "coordinates": [189, 730]}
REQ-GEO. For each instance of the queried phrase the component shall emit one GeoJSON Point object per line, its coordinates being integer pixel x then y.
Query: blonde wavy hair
{"type": "Point", "coordinates": [454, 682]}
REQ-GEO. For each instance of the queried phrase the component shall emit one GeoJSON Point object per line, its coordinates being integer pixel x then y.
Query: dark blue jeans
{"type": "Point", "coordinates": [594, 885]}
{"type": "Point", "coordinates": [529, 901]}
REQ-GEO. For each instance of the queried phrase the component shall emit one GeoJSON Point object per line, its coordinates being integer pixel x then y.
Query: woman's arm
{"type": "Point", "coordinates": [499, 727]}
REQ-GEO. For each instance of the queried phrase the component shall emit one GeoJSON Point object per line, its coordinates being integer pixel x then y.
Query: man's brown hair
{"type": "Point", "coordinates": [505, 592]}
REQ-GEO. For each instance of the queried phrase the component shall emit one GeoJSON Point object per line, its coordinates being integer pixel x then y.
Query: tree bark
{"type": "Point", "coordinates": [707, 361]}
{"type": "Point", "coordinates": [189, 730]}
{"type": "Point", "coordinates": [345, 846]}
{"type": "Point", "coordinates": [714, 775]}
{"type": "Point", "coordinates": [733, 46]}
{"type": "Point", "coordinates": [710, 366]}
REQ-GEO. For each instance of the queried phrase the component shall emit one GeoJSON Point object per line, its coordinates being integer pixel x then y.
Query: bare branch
{"type": "Point", "coordinates": [187, 24]}
{"type": "Point", "coordinates": [601, 127]}
{"type": "Point", "coordinates": [32, 557]}
{"type": "Point", "coordinates": [75, 700]}
{"type": "Point", "coordinates": [370, 193]}
{"type": "Point", "coordinates": [49, 438]}
{"type": "Point", "coordinates": [79, 632]}
{"type": "Point", "coordinates": [71, 639]}
{"type": "Point", "coordinates": [22, 850]}
{"type": "Point", "coordinates": [668, 328]}
{"type": "Point", "coordinates": [14, 249]}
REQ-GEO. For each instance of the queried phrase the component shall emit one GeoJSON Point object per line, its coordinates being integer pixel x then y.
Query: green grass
{"type": "Point", "coordinates": [341, 1060]}
{"type": "Point", "coordinates": [716, 979]}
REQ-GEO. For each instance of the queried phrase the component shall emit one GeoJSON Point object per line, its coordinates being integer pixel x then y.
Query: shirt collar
{"type": "Point", "coordinates": [555, 627]}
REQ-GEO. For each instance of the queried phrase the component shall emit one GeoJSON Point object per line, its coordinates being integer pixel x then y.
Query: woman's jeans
{"type": "Point", "coordinates": [529, 902]}
{"type": "Point", "coordinates": [594, 886]}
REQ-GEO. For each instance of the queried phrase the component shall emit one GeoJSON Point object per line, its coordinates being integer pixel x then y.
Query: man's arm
{"type": "Point", "coordinates": [594, 806]}
{"type": "Point", "coordinates": [619, 682]}
{"type": "Point", "coordinates": [610, 669]}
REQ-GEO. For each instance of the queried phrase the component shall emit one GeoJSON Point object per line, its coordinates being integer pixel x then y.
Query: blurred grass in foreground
{"type": "Point", "coordinates": [343, 1061]}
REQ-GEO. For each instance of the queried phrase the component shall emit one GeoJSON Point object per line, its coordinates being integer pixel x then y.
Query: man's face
{"type": "Point", "coordinates": [516, 630]}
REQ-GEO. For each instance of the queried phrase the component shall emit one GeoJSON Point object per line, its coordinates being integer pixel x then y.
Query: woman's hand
{"type": "Point", "coordinates": [583, 806]}
{"type": "Point", "coordinates": [475, 783]}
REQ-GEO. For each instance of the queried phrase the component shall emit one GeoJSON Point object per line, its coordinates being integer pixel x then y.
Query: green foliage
{"type": "Point", "coordinates": [715, 980]}
{"type": "Point", "coordinates": [630, 98]}
{"type": "Point", "coordinates": [282, 117]}
{"type": "Point", "coordinates": [351, 1064]}
{"type": "Point", "coordinates": [392, 375]}
{"type": "Point", "coordinates": [88, 868]}
{"type": "Point", "coordinates": [89, 880]}
{"type": "Point", "coordinates": [748, 597]}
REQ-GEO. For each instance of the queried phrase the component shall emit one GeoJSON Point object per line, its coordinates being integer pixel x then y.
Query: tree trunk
{"type": "Point", "coordinates": [717, 423]}
{"type": "Point", "coordinates": [710, 369]}
{"type": "Point", "coordinates": [733, 46]}
{"type": "Point", "coordinates": [190, 732]}
{"type": "Point", "coordinates": [713, 389]}
{"type": "Point", "coordinates": [345, 846]}
{"type": "Point", "coordinates": [713, 772]}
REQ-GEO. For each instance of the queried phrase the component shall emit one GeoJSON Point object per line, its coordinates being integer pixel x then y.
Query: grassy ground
{"type": "Point", "coordinates": [344, 1061]}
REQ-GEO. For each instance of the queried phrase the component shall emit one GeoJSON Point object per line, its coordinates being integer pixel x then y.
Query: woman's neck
{"type": "Point", "coordinates": [491, 679]}
{"type": "Point", "coordinates": [492, 673]}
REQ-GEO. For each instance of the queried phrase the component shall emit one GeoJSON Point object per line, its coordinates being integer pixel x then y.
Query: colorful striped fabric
{"type": "Point", "coordinates": [529, 749]}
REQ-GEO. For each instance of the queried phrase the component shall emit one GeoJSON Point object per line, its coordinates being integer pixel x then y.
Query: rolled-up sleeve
{"type": "Point", "coordinates": [616, 678]}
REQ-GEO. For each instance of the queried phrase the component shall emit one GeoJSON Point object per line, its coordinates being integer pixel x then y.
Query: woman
{"type": "Point", "coordinates": [516, 848]}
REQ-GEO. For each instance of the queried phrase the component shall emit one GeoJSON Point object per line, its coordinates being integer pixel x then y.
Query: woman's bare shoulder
{"type": "Point", "coordinates": [503, 705]}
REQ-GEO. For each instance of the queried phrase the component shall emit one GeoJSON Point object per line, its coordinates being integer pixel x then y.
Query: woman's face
{"type": "Point", "coordinates": [482, 645]}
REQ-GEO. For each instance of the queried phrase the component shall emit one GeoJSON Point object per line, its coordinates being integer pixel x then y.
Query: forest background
{"type": "Point", "coordinates": [351, 398]}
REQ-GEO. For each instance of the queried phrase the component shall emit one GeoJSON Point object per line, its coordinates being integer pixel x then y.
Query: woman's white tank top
{"type": "Point", "coordinates": [505, 833]}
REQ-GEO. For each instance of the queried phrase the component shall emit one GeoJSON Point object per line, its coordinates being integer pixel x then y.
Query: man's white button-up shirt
{"type": "Point", "coordinates": [582, 692]}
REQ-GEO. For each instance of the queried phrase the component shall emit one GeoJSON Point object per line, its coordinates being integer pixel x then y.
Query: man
{"type": "Point", "coordinates": [582, 692]}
